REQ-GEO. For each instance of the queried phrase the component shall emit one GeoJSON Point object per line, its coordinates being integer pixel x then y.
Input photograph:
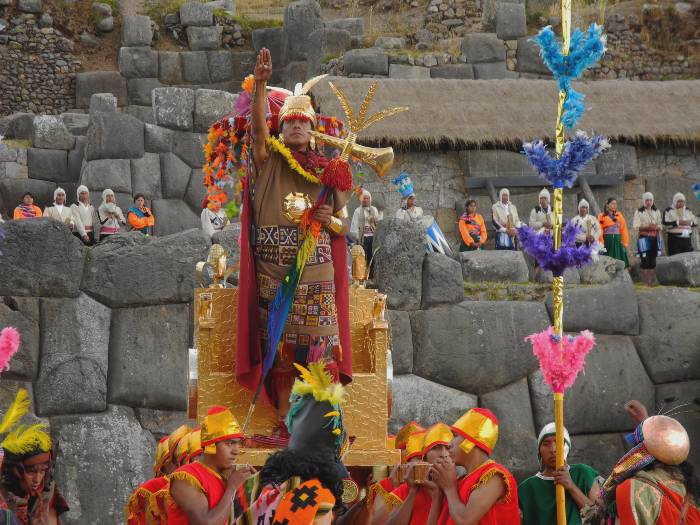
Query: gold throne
{"type": "Point", "coordinates": [213, 374]}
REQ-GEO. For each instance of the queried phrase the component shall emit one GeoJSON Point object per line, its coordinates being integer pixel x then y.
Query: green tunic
{"type": "Point", "coordinates": [537, 501]}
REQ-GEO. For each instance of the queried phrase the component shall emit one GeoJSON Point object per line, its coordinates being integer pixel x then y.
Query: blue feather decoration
{"type": "Point", "coordinates": [541, 247]}
{"type": "Point", "coordinates": [585, 49]}
{"type": "Point", "coordinates": [578, 152]}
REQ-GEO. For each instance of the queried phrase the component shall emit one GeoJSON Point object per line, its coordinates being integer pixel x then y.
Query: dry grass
{"type": "Point", "coordinates": [17, 143]}
{"type": "Point", "coordinates": [261, 9]}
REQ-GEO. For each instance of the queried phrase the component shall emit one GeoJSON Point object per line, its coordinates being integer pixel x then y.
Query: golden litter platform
{"type": "Point", "coordinates": [366, 409]}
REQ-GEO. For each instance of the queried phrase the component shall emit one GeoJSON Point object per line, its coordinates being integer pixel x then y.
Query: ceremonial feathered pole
{"type": "Point", "coordinates": [562, 357]}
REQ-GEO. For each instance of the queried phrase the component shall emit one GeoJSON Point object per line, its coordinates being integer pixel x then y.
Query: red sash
{"type": "Point", "coordinates": [138, 501]}
{"type": "Point", "coordinates": [504, 512]}
{"type": "Point", "coordinates": [202, 478]}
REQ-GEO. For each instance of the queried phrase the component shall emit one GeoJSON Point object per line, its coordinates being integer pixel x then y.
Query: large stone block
{"type": "Point", "coordinates": [136, 31]}
{"type": "Point", "coordinates": [354, 26]}
{"type": "Point", "coordinates": [401, 341]}
{"type": "Point", "coordinates": [682, 269]}
{"type": "Point", "coordinates": [188, 146]}
{"type": "Point", "coordinates": [204, 38]}
{"type": "Point", "coordinates": [51, 133]}
{"type": "Point", "coordinates": [243, 64]}
{"type": "Point", "coordinates": [588, 308]}
{"type": "Point", "coordinates": [13, 170]}
{"type": "Point", "coordinates": [173, 107]}
{"type": "Point", "coordinates": [169, 67]}
{"type": "Point", "coordinates": [408, 72]}
{"type": "Point", "coordinates": [620, 161]}
{"type": "Point", "coordinates": [114, 174]}
{"type": "Point", "coordinates": [94, 452]}
{"type": "Point", "coordinates": [210, 105]}
{"type": "Point", "coordinates": [196, 191]}
{"type": "Point", "coordinates": [195, 69]}
{"type": "Point", "coordinates": [173, 216]}
{"type": "Point", "coordinates": [103, 129]}
{"type": "Point", "coordinates": [685, 399]}
{"type": "Point", "coordinates": [603, 271]}
{"type": "Point", "coordinates": [517, 437]}
{"type": "Point", "coordinates": [398, 262]}
{"type": "Point", "coordinates": [196, 14]}
{"type": "Point", "coordinates": [442, 280]}
{"type": "Point", "coordinates": [148, 357]}
{"type": "Point", "coordinates": [23, 314]}
{"type": "Point", "coordinates": [324, 43]}
{"type": "Point", "coordinates": [511, 21]}
{"type": "Point", "coordinates": [40, 258]}
{"type": "Point", "coordinates": [529, 59]}
{"type": "Point", "coordinates": [158, 139]}
{"type": "Point", "coordinates": [104, 102]}
{"type": "Point", "coordinates": [501, 265]}
{"type": "Point", "coordinates": [488, 12]}
{"type": "Point", "coordinates": [458, 71]}
{"type": "Point", "coordinates": [92, 82]}
{"type": "Point", "coordinates": [669, 334]}
{"type": "Point", "coordinates": [76, 123]}
{"type": "Point", "coordinates": [145, 176]}
{"type": "Point", "coordinates": [492, 71]}
{"type": "Point", "coordinates": [370, 61]}
{"type": "Point", "coordinates": [140, 90]}
{"type": "Point", "coordinates": [22, 126]}
{"type": "Point", "coordinates": [175, 176]}
{"type": "Point", "coordinates": [483, 47]}
{"type": "Point", "coordinates": [48, 164]}
{"type": "Point", "coordinates": [74, 356]}
{"type": "Point", "coordinates": [133, 270]}
{"type": "Point", "coordinates": [12, 190]}
{"type": "Point", "coordinates": [160, 423]}
{"type": "Point", "coordinates": [465, 336]}
{"type": "Point", "coordinates": [220, 64]}
{"type": "Point", "coordinates": [302, 17]}
{"type": "Point", "coordinates": [600, 451]}
{"type": "Point", "coordinates": [138, 62]}
{"type": "Point", "coordinates": [274, 39]}
{"type": "Point", "coordinates": [613, 369]}
{"type": "Point", "coordinates": [415, 398]}
{"type": "Point", "coordinates": [142, 113]}
{"type": "Point", "coordinates": [75, 159]}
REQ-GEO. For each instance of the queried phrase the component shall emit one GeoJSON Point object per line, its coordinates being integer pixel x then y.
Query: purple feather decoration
{"type": "Point", "coordinates": [564, 171]}
{"type": "Point", "coordinates": [541, 247]}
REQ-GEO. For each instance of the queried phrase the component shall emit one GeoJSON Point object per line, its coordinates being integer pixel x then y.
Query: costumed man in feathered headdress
{"type": "Point", "coordinates": [28, 490]}
{"type": "Point", "coordinates": [203, 491]}
{"type": "Point", "coordinates": [287, 182]}
{"type": "Point", "coordinates": [303, 483]}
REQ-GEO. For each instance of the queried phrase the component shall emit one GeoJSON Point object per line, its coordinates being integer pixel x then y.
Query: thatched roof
{"type": "Point", "coordinates": [473, 113]}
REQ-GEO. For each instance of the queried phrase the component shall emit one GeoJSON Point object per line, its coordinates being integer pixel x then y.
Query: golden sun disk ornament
{"type": "Point", "coordinates": [294, 206]}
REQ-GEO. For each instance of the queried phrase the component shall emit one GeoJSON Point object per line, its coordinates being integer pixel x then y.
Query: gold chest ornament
{"type": "Point", "coordinates": [294, 206]}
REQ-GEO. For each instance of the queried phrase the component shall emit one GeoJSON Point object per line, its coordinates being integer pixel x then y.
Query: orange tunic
{"type": "Point", "coordinates": [19, 214]}
{"type": "Point", "coordinates": [211, 484]}
{"type": "Point", "coordinates": [139, 223]}
{"type": "Point", "coordinates": [606, 222]}
{"type": "Point", "coordinates": [421, 506]}
{"type": "Point", "coordinates": [504, 512]}
{"type": "Point", "coordinates": [469, 224]}
{"type": "Point", "coordinates": [138, 501]}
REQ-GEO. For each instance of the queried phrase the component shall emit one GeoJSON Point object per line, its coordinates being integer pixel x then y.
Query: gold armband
{"type": "Point", "coordinates": [342, 213]}
{"type": "Point", "coordinates": [336, 225]}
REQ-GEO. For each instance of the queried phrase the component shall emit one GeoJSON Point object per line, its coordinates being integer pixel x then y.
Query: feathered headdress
{"type": "Point", "coordinates": [22, 439]}
{"type": "Point", "coordinates": [9, 344]}
{"type": "Point", "coordinates": [541, 247]}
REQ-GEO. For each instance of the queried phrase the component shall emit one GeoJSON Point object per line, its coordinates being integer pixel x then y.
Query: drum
{"type": "Point", "coordinates": [504, 241]}
{"type": "Point", "coordinates": [435, 240]}
{"type": "Point", "coordinates": [645, 244]}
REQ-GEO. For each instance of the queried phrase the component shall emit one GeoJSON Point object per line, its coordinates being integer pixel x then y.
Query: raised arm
{"type": "Point", "coordinates": [262, 73]}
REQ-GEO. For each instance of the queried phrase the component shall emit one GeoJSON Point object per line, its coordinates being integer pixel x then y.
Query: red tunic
{"type": "Point", "coordinates": [421, 506]}
{"type": "Point", "coordinates": [504, 512]}
{"type": "Point", "coordinates": [138, 501]}
{"type": "Point", "coordinates": [211, 484]}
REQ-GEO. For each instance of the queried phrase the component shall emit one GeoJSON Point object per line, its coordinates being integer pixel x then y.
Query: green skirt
{"type": "Point", "coordinates": [613, 244]}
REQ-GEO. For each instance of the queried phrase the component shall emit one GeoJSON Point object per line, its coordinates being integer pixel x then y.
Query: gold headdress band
{"type": "Point", "coordinates": [299, 104]}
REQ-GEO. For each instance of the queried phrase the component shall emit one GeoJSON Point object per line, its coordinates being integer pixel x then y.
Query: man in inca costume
{"type": "Point", "coordinates": [285, 183]}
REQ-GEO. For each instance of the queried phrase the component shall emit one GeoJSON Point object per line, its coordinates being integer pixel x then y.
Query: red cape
{"type": "Point", "coordinates": [248, 350]}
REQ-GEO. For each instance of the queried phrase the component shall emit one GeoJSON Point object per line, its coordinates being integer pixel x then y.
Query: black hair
{"type": "Point", "coordinates": [469, 201]}
{"type": "Point", "coordinates": [27, 193]}
{"type": "Point", "coordinates": [285, 464]}
{"type": "Point", "coordinates": [12, 461]}
{"type": "Point", "coordinates": [141, 195]}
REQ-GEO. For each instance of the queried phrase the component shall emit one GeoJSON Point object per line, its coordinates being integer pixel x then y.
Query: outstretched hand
{"type": "Point", "coordinates": [263, 66]}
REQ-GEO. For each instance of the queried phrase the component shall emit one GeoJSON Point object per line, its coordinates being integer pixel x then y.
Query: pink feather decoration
{"type": "Point", "coordinates": [9, 344]}
{"type": "Point", "coordinates": [561, 361]}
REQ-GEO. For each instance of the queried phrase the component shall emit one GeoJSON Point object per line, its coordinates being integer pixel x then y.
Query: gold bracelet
{"type": "Point", "coordinates": [336, 225]}
{"type": "Point", "coordinates": [342, 213]}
